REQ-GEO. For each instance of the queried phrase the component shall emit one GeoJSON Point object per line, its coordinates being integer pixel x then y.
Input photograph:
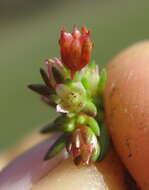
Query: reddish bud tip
{"type": "Point", "coordinates": [76, 48]}
{"type": "Point", "coordinates": [82, 145]}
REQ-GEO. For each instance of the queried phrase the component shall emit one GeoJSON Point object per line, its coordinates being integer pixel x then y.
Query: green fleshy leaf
{"type": "Point", "coordinates": [61, 123]}
{"type": "Point", "coordinates": [81, 119]}
{"type": "Point", "coordinates": [104, 141]}
{"type": "Point", "coordinates": [103, 79]}
{"type": "Point", "coordinates": [68, 126]}
{"type": "Point", "coordinates": [40, 89]}
{"type": "Point", "coordinates": [92, 123]}
{"type": "Point", "coordinates": [85, 83]}
{"type": "Point", "coordinates": [90, 109]}
{"type": "Point", "coordinates": [96, 153]}
{"type": "Point", "coordinates": [57, 147]}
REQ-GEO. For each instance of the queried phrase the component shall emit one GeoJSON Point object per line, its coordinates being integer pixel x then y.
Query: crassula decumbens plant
{"type": "Point", "coordinates": [73, 86]}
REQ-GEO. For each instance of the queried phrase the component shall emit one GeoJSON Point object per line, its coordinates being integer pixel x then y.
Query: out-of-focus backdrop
{"type": "Point", "coordinates": [29, 32]}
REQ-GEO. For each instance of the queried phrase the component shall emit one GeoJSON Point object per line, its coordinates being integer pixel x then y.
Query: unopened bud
{"type": "Point", "coordinates": [85, 148]}
{"type": "Point", "coordinates": [76, 48]}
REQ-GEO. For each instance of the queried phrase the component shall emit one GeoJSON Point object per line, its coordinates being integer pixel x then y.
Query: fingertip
{"type": "Point", "coordinates": [138, 51]}
{"type": "Point", "coordinates": [29, 167]}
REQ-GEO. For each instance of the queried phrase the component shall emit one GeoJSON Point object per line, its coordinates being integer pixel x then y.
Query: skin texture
{"type": "Point", "coordinates": [126, 100]}
{"type": "Point", "coordinates": [28, 168]}
{"type": "Point", "coordinates": [106, 175]}
{"type": "Point", "coordinates": [26, 143]}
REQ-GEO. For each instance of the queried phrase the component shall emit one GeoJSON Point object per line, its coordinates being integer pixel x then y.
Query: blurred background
{"type": "Point", "coordinates": [29, 32]}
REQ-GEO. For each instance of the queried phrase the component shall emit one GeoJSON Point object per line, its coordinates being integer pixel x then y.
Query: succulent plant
{"type": "Point", "coordinates": [73, 86]}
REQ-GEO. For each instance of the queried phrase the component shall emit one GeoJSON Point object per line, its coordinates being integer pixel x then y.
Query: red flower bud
{"type": "Point", "coordinates": [76, 48]}
{"type": "Point", "coordinates": [82, 146]}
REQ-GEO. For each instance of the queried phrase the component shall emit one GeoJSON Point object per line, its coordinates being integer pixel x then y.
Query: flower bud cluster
{"type": "Point", "coordinates": [75, 48]}
{"type": "Point", "coordinates": [73, 86]}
